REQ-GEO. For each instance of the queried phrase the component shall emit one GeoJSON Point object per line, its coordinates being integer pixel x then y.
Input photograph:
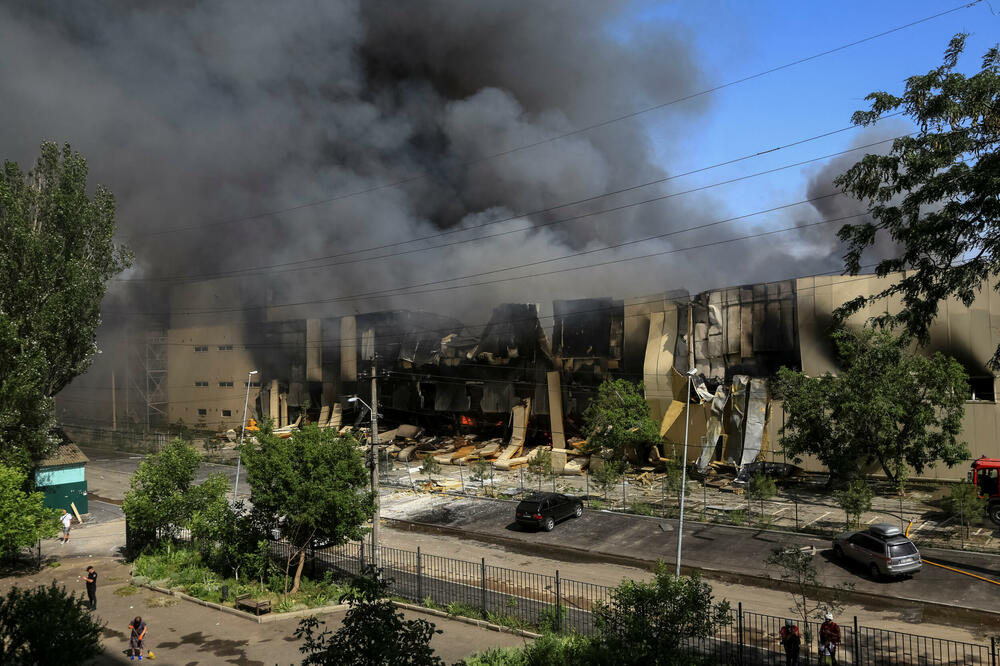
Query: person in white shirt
{"type": "Point", "coordinates": [66, 519]}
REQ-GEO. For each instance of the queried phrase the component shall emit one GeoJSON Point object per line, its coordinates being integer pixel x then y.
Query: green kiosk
{"type": "Point", "coordinates": [63, 479]}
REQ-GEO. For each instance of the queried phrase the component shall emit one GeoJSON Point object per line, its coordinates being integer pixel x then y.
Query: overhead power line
{"type": "Point", "coordinates": [407, 290]}
{"type": "Point", "coordinates": [296, 265]}
{"type": "Point", "coordinates": [558, 137]}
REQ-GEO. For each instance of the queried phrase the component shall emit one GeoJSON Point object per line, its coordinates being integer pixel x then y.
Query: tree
{"type": "Point", "coordinates": [649, 623]}
{"type": "Point", "coordinates": [230, 539]}
{"type": "Point", "coordinates": [56, 257]}
{"type": "Point", "coordinates": [855, 500]}
{"type": "Point", "coordinates": [23, 518]}
{"type": "Point", "coordinates": [760, 489]}
{"type": "Point", "coordinates": [47, 626]}
{"type": "Point", "coordinates": [430, 467]}
{"type": "Point", "coordinates": [540, 465]}
{"type": "Point", "coordinates": [935, 194]}
{"type": "Point", "coordinates": [618, 419]}
{"type": "Point", "coordinates": [162, 496]}
{"type": "Point", "coordinates": [796, 567]}
{"type": "Point", "coordinates": [311, 487]}
{"type": "Point", "coordinates": [607, 475]}
{"type": "Point", "coordinates": [373, 632]}
{"type": "Point", "coordinates": [966, 504]}
{"type": "Point", "coordinates": [887, 406]}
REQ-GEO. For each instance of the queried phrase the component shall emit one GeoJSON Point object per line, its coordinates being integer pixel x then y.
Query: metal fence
{"type": "Point", "coordinates": [524, 599]}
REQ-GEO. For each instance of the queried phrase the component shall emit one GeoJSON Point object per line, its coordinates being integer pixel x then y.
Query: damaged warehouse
{"type": "Point", "coordinates": [518, 383]}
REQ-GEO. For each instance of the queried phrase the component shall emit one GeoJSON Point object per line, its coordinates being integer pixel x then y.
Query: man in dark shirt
{"type": "Point", "coordinates": [91, 580]}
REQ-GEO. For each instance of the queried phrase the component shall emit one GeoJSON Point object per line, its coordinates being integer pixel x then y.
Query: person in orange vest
{"type": "Point", "coordinates": [791, 641]}
{"type": "Point", "coordinates": [829, 639]}
{"type": "Point", "coordinates": [136, 636]}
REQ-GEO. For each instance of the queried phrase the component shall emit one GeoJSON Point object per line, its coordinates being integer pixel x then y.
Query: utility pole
{"type": "Point", "coordinates": [376, 517]}
{"type": "Point", "coordinates": [687, 425]}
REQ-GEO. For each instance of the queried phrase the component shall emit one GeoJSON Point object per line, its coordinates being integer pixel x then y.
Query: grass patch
{"type": "Point", "coordinates": [126, 590]}
{"type": "Point", "coordinates": [160, 601]}
{"type": "Point", "coordinates": [54, 564]}
{"type": "Point", "coordinates": [183, 568]}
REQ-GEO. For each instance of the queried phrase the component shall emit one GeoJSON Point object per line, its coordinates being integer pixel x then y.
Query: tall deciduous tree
{"type": "Point", "coordinates": [310, 487]}
{"type": "Point", "coordinates": [887, 406]}
{"type": "Point", "coordinates": [936, 193]}
{"type": "Point", "coordinates": [163, 498]}
{"type": "Point", "coordinates": [619, 419]}
{"type": "Point", "coordinates": [23, 519]}
{"type": "Point", "coordinates": [56, 257]}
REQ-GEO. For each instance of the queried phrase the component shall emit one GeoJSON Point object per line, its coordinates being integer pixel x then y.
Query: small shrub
{"type": "Point", "coordinates": [463, 609]}
{"type": "Point", "coordinates": [640, 509]}
{"type": "Point", "coordinates": [552, 619]}
{"type": "Point", "coordinates": [511, 621]}
{"type": "Point", "coordinates": [855, 500]}
{"type": "Point", "coordinates": [738, 517]}
{"type": "Point", "coordinates": [284, 606]}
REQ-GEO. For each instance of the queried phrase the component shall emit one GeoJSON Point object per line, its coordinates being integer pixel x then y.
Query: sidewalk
{"type": "Point", "coordinates": [182, 632]}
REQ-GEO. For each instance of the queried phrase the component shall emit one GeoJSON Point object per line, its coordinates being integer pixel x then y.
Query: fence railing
{"type": "Point", "coordinates": [525, 599]}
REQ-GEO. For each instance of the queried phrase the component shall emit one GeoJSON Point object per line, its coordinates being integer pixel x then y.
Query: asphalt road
{"type": "Point", "coordinates": [715, 549]}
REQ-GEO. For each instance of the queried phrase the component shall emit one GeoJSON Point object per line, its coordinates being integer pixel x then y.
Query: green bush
{"type": "Point", "coordinates": [552, 619]}
{"type": "Point", "coordinates": [45, 625]}
{"type": "Point", "coordinates": [463, 609]}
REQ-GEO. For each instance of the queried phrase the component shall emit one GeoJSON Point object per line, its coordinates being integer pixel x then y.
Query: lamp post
{"type": "Point", "coordinates": [687, 425]}
{"type": "Point", "coordinates": [243, 430]}
{"type": "Point", "coordinates": [376, 516]}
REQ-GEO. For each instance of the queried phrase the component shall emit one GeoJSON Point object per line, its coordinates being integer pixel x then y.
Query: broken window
{"type": "Point", "coordinates": [201, 348]}
{"type": "Point", "coordinates": [225, 348]}
{"type": "Point", "coordinates": [982, 389]}
{"type": "Point", "coordinates": [251, 384]}
{"type": "Point", "coordinates": [225, 385]}
{"type": "Point", "coordinates": [201, 383]}
{"type": "Point", "coordinates": [227, 412]}
{"type": "Point", "coordinates": [202, 412]}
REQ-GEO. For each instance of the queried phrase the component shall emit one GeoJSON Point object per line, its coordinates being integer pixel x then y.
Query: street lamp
{"type": "Point", "coordinates": [687, 425]}
{"type": "Point", "coordinates": [376, 516]}
{"type": "Point", "coordinates": [243, 430]}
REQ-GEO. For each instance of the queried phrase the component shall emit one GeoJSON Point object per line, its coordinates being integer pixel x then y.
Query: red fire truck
{"type": "Point", "coordinates": [985, 475]}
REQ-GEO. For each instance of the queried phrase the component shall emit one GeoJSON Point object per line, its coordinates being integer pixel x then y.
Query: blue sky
{"type": "Point", "coordinates": [736, 39]}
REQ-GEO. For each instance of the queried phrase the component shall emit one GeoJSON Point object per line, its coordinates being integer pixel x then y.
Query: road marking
{"type": "Point", "coordinates": [871, 520]}
{"type": "Point", "coordinates": [979, 531]}
{"type": "Point", "coordinates": [784, 508]}
{"type": "Point", "coordinates": [816, 519]}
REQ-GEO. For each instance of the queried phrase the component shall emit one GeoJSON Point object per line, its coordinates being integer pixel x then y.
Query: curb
{"type": "Point", "coordinates": [259, 619]}
{"type": "Point", "coordinates": [483, 624]}
{"type": "Point", "coordinates": [936, 610]}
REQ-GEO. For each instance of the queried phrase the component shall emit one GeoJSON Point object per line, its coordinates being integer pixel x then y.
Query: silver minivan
{"type": "Point", "coordinates": [882, 549]}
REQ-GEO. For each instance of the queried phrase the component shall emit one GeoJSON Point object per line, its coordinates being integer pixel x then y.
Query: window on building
{"type": "Point", "coordinates": [251, 384]}
{"type": "Point", "coordinates": [201, 383]}
{"type": "Point", "coordinates": [227, 412]}
{"type": "Point", "coordinates": [982, 389]}
{"type": "Point", "coordinates": [202, 412]}
{"type": "Point", "coordinates": [201, 348]}
{"type": "Point", "coordinates": [225, 384]}
{"type": "Point", "coordinates": [225, 348]}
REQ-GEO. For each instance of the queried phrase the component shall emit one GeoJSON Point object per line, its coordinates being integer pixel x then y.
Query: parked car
{"type": "Point", "coordinates": [882, 549]}
{"type": "Point", "coordinates": [546, 509]}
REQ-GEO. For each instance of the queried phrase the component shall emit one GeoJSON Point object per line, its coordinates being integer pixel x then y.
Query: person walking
{"type": "Point", "coordinates": [91, 579]}
{"type": "Point", "coordinates": [829, 639]}
{"type": "Point", "coordinates": [66, 519]}
{"type": "Point", "coordinates": [791, 641]}
{"type": "Point", "coordinates": [136, 636]}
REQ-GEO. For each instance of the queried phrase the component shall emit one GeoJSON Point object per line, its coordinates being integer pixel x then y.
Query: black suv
{"type": "Point", "coordinates": [545, 509]}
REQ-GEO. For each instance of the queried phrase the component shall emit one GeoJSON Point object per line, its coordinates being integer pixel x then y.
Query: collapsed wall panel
{"type": "Point", "coordinates": [273, 403]}
{"type": "Point", "coordinates": [555, 410]}
{"type": "Point", "coordinates": [756, 420]}
{"type": "Point", "coordinates": [737, 418]}
{"type": "Point", "coordinates": [714, 427]}
{"type": "Point", "coordinates": [659, 361]}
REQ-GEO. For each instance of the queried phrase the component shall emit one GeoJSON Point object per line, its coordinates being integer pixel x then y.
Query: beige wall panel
{"type": "Point", "coordinates": [314, 350]}
{"type": "Point", "coordinates": [348, 349]}
{"type": "Point", "coordinates": [224, 361]}
{"type": "Point", "coordinates": [556, 409]}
